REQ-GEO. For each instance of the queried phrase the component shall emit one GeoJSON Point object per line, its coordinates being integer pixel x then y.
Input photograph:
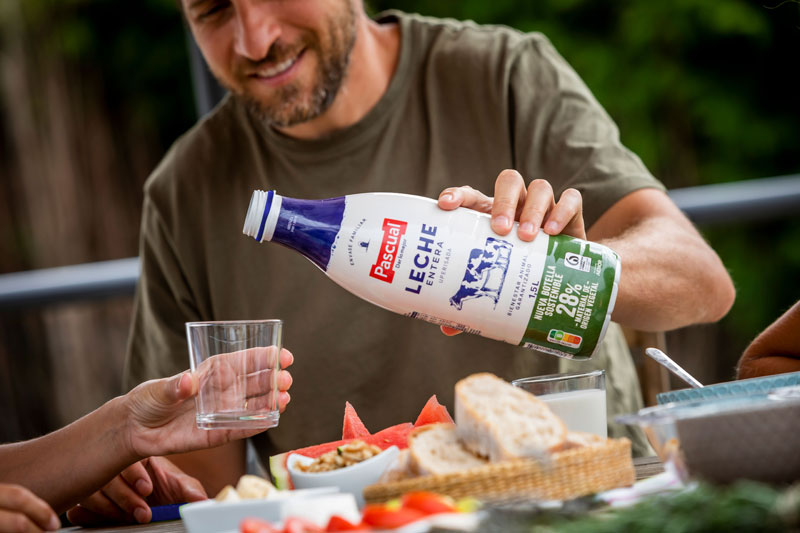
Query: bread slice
{"type": "Point", "coordinates": [435, 449]}
{"type": "Point", "coordinates": [399, 470]}
{"type": "Point", "coordinates": [502, 422]}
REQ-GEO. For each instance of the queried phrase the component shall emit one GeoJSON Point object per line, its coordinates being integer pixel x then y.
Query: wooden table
{"type": "Point", "coordinates": [645, 467]}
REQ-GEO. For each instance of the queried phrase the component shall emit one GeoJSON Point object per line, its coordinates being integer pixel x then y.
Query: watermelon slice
{"type": "Point", "coordinates": [396, 435]}
{"type": "Point", "coordinates": [391, 436]}
{"type": "Point", "coordinates": [353, 427]}
{"type": "Point", "coordinates": [433, 413]}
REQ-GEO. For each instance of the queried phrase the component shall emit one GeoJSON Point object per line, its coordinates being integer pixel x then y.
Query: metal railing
{"type": "Point", "coordinates": [740, 200]}
{"type": "Point", "coordinates": [707, 204]}
{"type": "Point", "coordinates": [87, 281]}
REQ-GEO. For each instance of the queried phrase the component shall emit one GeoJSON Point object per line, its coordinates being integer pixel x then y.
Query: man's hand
{"type": "Point", "coordinates": [128, 497]}
{"type": "Point", "coordinates": [23, 511]}
{"type": "Point", "coordinates": [534, 207]}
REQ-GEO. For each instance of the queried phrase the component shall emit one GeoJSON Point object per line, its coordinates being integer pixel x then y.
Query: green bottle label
{"type": "Point", "coordinates": [574, 299]}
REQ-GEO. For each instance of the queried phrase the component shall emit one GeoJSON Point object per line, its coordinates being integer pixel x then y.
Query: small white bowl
{"type": "Point", "coordinates": [350, 479]}
{"type": "Point", "coordinates": [211, 516]}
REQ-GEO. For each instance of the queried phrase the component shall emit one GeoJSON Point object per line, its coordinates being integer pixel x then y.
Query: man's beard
{"type": "Point", "coordinates": [289, 105]}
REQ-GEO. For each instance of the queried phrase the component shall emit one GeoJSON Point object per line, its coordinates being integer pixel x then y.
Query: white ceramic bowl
{"type": "Point", "coordinates": [350, 479]}
{"type": "Point", "coordinates": [211, 516]}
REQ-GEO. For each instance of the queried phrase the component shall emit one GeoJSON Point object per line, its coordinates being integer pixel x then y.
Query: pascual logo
{"type": "Point", "coordinates": [383, 269]}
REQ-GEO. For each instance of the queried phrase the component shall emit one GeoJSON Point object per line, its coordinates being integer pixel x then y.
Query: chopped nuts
{"type": "Point", "coordinates": [345, 455]}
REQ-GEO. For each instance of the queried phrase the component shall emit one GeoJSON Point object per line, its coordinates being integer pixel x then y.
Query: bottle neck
{"type": "Point", "coordinates": [309, 227]}
{"type": "Point", "coordinates": [262, 215]}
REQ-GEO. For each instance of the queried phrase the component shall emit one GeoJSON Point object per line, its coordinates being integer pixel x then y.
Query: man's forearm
{"type": "Point", "coordinates": [670, 277]}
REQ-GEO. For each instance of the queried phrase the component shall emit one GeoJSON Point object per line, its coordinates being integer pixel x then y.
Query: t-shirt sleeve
{"type": "Point", "coordinates": [562, 134]}
{"type": "Point", "coordinates": [157, 345]}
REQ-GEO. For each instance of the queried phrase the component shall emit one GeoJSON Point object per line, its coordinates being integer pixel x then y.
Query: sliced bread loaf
{"type": "Point", "coordinates": [502, 422]}
{"type": "Point", "coordinates": [435, 449]}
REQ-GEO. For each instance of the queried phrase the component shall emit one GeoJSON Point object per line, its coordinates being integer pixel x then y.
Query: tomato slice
{"type": "Point", "coordinates": [428, 502]}
{"type": "Point", "coordinates": [255, 525]}
{"type": "Point", "coordinates": [383, 517]}
{"type": "Point", "coordinates": [337, 523]}
{"type": "Point", "coordinates": [300, 525]}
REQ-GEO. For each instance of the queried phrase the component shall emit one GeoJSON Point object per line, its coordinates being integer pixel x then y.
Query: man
{"type": "Point", "coordinates": [327, 102]}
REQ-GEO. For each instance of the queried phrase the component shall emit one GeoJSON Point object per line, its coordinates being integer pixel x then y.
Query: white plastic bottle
{"type": "Point", "coordinates": [401, 252]}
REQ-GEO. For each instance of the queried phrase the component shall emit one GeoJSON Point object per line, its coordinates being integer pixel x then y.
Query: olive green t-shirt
{"type": "Point", "coordinates": [465, 102]}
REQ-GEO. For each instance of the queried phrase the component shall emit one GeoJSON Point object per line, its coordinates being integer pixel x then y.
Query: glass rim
{"type": "Point", "coordinates": [559, 377]}
{"type": "Point", "coordinates": [266, 321]}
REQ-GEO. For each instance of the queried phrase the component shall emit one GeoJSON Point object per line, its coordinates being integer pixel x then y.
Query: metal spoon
{"type": "Point", "coordinates": [672, 366]}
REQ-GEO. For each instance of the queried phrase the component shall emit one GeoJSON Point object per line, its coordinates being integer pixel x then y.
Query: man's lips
{"type": "Point", "coordinates": [275, 71]}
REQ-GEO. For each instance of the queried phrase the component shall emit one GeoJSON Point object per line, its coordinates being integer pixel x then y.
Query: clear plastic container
{"type": "Point", "coordinates": [753, 437]}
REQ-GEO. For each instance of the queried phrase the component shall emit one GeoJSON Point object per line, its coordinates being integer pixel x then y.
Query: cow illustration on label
{"type": "Point", "coordinates": [485, 274]}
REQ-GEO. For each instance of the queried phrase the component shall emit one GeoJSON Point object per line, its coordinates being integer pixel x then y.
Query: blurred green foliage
{"type": "Point", "coordinates": [742, 506]}
{"type": "Point", "coordinates": [704, 91]}
{"type": "Point", "coordinates": [140, 55]}
{"type": "Point", "coordinates": [701, 508]}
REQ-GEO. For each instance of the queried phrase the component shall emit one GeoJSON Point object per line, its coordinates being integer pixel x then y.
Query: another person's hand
{"type": "Point", "coordinates": [534, 207]}
{"type": "Point", "coordinates": [776, 350]}
{"type": "Point", "coordinates": [161, 421]}
{"type": "Point", "coordinates": [23, 511]}
{"type": "Point", "coordinates": [128, 497]}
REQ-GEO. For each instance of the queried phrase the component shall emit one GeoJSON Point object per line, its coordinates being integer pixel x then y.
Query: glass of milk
{"type": "Point", "coordinates": [578, 398]}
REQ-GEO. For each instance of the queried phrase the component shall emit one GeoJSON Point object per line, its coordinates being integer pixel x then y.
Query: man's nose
{"type": "Point", "coordinates": [256, 30]}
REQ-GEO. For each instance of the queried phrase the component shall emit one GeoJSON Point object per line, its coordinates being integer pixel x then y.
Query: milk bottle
{"type": "Point", "coordinates": [401, 252]}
